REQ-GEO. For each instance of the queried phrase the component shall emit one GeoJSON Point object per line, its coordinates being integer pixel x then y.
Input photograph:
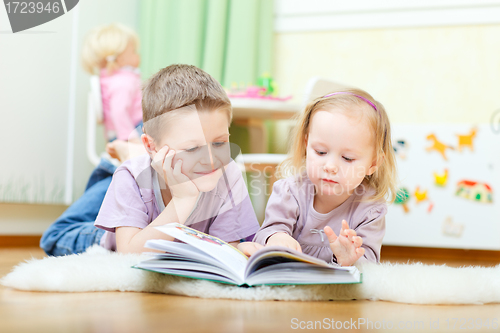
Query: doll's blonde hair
{"type": "Point", "coordinates": [384, 179]}
{"type": "Point", "coordinates": [104, 44]}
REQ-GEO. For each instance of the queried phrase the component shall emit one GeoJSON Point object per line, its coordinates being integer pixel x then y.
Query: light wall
{"type": "Point", "coordinates": [427, 74]}
{"type": "Point", "coordinates": [34, 103]}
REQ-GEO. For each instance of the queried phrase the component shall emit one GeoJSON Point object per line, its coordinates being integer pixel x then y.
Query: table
{"type": "Point", "coordinates": [252, 112]}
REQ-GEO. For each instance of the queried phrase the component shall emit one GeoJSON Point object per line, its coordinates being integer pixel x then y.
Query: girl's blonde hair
{"type": "Point", "coordinates": [383, 180]}
{"type": "Point", "coordinates": [104, 44]}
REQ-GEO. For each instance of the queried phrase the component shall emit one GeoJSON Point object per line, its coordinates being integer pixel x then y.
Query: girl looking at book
{"type": "Point", "coordinates": [341, 174]}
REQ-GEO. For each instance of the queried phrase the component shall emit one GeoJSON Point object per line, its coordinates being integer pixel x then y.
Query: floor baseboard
{"type": "Point", "coordinates": [431, 253]}
{"type": "Point", "coordinates": [7, 241]}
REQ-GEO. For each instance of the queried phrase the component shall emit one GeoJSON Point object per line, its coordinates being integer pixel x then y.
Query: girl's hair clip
{"type": "Point", "coordinates": [111, 58]}
{"type": "Point", "coordinates": [350, 93]}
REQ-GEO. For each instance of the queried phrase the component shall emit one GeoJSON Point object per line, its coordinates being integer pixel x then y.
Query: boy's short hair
{"type": "Point", "coordinates": [177, 86]}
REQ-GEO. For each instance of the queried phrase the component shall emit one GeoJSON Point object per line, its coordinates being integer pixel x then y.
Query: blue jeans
{"type": "Point", "coordinates": [74, 231]}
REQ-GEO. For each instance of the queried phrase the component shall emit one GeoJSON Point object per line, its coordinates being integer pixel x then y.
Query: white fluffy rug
{"type": "Point", "coordinates": [101, 270]}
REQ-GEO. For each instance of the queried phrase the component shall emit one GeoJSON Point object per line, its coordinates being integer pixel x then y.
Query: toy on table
{"type": "Point", "coordinates": [266, 89]}
{"type": "Point", "coordinates": [267, 82]}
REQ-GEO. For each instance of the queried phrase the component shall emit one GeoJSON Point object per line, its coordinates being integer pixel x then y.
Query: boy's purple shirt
{"type": "Point", "coordinates": [225, 212]}
{"type": "Point", "coordinates": [290, 210]}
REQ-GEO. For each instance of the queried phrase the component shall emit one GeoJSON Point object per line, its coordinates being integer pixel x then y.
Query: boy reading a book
{"type": "Point", "coordinates": [187, 176]}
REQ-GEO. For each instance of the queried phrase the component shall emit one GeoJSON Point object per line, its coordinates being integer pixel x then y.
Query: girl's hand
{"type": "Point", "coordinates": [347, 246]}
{"type": "Point", "coordinates": [179, 184]}
{"type": "Point", "coordinates": [283, 239]}
{"type": "Point", "coordinates": [249, 248]}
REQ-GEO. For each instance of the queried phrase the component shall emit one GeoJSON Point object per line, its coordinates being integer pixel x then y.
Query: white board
{"type": "Point", "coordinates": [445, 219]}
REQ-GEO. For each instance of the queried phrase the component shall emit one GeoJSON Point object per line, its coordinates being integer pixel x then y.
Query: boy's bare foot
{"type": "Point", "coordinates": [118, 149]}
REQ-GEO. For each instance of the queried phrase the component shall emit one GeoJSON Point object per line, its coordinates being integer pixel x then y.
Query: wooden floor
{"type": "Point", "coordinates": [140, 312]}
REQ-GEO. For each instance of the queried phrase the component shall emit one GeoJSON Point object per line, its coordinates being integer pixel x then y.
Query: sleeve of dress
{"type": "Point", "coordinates": [121, 98]}
{"type": "Point", "coordinates": [123, 205]}
{"type": "Point", "coordinates": [282, 212]}
{"type": "Point", "coordinates": [372, 231]}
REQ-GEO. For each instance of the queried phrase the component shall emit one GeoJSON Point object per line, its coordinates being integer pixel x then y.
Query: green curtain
{"type": "Point", "coordinates": [232, 40]}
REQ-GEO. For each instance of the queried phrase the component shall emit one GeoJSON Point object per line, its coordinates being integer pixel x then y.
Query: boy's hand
{"type": "Point", "coordinates": [283, 239]}
{"type": "Point", "coordinates": [179, 184]}
{"type": "Point", "coordinates": [347, 246]}
{"type": "Point", "coordinates": [249, 248]}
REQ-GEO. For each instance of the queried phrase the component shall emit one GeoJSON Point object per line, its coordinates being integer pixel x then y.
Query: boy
{"type": "Point", "coordinates": [187, 176]}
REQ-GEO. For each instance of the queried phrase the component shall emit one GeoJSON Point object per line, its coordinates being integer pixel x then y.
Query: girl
{"type": "Point", "coordinates": [111, 52]}
{"type": "Point", "coordinates": [343, 140]}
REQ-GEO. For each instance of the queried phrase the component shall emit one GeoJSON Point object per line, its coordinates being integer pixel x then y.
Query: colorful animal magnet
{"type": "Point", "coordinates": [402, 198]}
{"type": "Point", "coordinates": [475, 191]}
{"type": "Point", "coordinates": [451, 228]}
{"type": "Point", "coordinates": [467, 140]}
{"type": "Point", "coordinates": [431, 206]}
{"type": "Point", "coordinates": [441, 179]}
{"type": "Point", "coordinates": [420, 195]}
{"type": "Point", "coordinates": [400, 148]}
{"type": "Point", "coordinates": [438, 146]}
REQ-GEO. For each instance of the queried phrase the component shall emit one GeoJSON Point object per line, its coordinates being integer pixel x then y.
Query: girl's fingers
{"type": "Point", "coordinates": [360, 252]}
{"type": "Point", "coordinates": [249, 248]}
{"type": "Point", "coordinates": [258, 246]}
{"type": "Point", "coordinates": [344, 229]}
{"type": "Point", "coordinates": [357, 241]}
{"type": "Point", "coordinates": [332, 237]}
{"type": "Point", "coordinates": [345, 225]}
{"type": "Point", "coordinates": [351, 234]}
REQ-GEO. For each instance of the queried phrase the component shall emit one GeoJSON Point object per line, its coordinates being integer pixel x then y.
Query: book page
{"type": "Point", "coordinates": [234, 260]}
{"type": "Point", "coordinates": [272, 255]}
{"type": "Point", "coordinates": [182, 250]}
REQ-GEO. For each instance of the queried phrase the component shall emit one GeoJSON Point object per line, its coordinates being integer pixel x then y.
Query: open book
{"type": "Point", "coordinates": [202, 256]}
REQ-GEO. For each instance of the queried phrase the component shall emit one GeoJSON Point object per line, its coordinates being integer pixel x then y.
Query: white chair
{"type": "Point", "coordinates": [94, 117]}
{"type": "Point", "coordinates": [315, 87]}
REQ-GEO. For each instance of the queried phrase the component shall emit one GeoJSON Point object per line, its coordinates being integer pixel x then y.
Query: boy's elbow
{"type": "Point", "coordinates": [125, 240]}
